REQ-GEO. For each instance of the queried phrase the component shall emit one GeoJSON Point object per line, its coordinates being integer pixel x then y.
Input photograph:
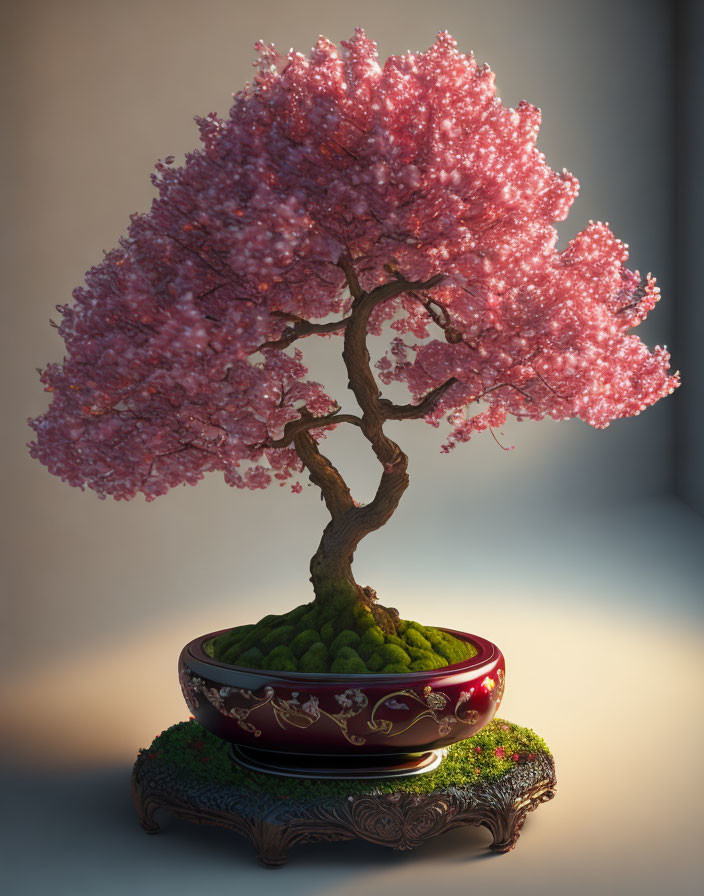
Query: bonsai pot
{"type": "Point", "coordinates": [342, 725]}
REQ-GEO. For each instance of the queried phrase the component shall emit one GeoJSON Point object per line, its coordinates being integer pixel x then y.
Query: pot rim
{"type": "Point", "coordinates": [487, 654]}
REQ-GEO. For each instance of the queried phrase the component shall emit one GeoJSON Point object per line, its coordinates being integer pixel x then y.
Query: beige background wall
{"type": "Point", "coordinates": [563, 550]}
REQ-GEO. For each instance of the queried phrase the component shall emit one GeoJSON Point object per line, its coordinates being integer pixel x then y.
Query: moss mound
{"type": "Point", "coordinates": [344, 640]}
{"type": "Point", "coordinates": [191, 751]}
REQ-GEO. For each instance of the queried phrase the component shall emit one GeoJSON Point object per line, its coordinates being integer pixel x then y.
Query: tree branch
{"type": "Point", "coordinates": [452, 334]}
{"type": "Point", "coordinates": [307, 421]}
{"type": "Point", "coordinates": [414, 411]}
{"type": "Point", "coordinates": [345, 263]}
{"type": "Point", "coordinates": [324, 474]}
{"type": "Point", "coordinates": [356, 354]}
{"type": "Point", "coordinates": [301, 329]}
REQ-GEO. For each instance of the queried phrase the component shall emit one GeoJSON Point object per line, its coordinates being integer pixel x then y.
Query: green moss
{"type": "Point", "coordinates": [297, 613]}
{"type": "Point", "coordinates": [339, 596]}
{"type": "Point", "coordinates": [315, 659]}
{"type": "Point", "coordinates": [375, 662]}
{"type": "Point", "coordinates": [426, 662]}
{"type": "Point", "coordinates": [349, 664]}
{"type": "Point", "coordinates": [252, 657]}
{"type": "Point", "coordinates": [413, 638]}
{"type": "Point", "coordinates": [308, 620]}
{"type": "Point", "coordinates": [301, 643]}
{"type": "Point", "coordinates": [391, 653]}
{"type": "Point", "coordinates": [280, 635]}
{"type": "Point", "coordinates": [363, 619]}
{"type": "Point", "coordinates": [398, 668]}
{"type": "Point", "coordinates": [282, 659]}
{"type": "Point", "coordinates": [223, 643]}
{"type": "Point", "coordinates": [232, 655]}
{"type": "Point", "coordinates": [434, 635]}
{"type": "Point", "coordinates": [415, 647]}
{"type": "Point", "coordinates": [327, 633]}
{"type": "Point", "coordinates": [456, 651]}
{"type": "Point", "coordinates": [344, 621]}
{"type": "Point", "coordinates": [253, 638]}
{"type": "Point", "coordinates": [347, 653]}
{"type": "Point", "coordinates": [346, 638]}
{"type": "Point", "coordinates": [370, 642]}
{"type": "Point", "coordinates": [452, 649]}
{"type": "Point", "coordinates": [394, 639]}
{"type": "Point", "coordinates": [271, 619]}
{"type": "Point", "coordinates": [220, 645]}
{"type": "Point", "coordinates": [191, 752]}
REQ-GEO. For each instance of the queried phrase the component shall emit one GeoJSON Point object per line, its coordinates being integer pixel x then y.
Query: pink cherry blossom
{"type": "Point", "coordinates": [410, 170]}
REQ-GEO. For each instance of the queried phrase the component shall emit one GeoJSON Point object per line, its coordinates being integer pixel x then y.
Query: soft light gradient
{"type": "Point", "coordinates": [566, 551]}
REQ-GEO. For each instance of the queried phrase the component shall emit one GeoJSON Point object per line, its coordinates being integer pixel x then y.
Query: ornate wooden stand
{"type": "Point", "coordinates": [401, 819]}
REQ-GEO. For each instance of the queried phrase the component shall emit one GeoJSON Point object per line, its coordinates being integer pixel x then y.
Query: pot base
{"type": "Point", "coordinates": [336, 766]}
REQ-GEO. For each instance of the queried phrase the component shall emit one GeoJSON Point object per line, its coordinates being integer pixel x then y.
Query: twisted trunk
{"type": "Point", "coordinates": [331, 565]}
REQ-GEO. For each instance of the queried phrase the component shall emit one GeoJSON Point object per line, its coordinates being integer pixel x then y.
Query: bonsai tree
{"type": "Point", "coordinates": [338, 199]}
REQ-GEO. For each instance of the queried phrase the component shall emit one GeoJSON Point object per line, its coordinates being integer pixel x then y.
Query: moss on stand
{"type": "Point", "coordinates": [192, 752]}
{"type": "Point", "coordinates": [338, 640]}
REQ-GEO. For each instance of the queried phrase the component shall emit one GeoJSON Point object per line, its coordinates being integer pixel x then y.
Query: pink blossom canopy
{"type": "Point", "coordinates": [412, 169]}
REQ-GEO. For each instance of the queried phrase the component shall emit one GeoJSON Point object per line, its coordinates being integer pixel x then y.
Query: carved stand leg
{"type": "Point", "coordinates": [271, 843]}
{"type": "Point", "coordinates": [506, 826]}
{"type": "Point", "coordinates": [145, 807]}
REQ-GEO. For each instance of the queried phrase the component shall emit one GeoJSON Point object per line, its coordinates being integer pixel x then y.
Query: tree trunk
{"type": "Point", "coordinates": [335, 586]}
{"type": "Point", "coordinates": [331, 565]}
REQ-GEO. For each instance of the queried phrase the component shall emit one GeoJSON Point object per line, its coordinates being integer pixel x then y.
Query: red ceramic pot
{"type": "Point", "coordinates": [345, 715]}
